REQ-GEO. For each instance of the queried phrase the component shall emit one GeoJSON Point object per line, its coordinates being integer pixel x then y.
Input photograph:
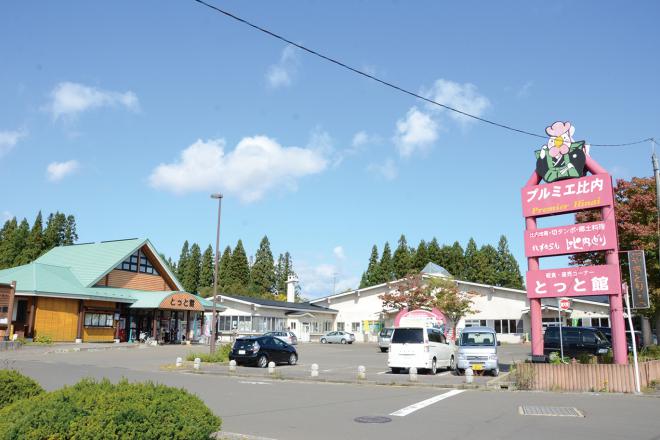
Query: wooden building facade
{"type": "Point", "coordinates": [99, 292]}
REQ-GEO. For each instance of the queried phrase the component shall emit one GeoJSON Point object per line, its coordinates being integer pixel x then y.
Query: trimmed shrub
{"type": "Point", "coordinates": [102, 410]}
{"type": "Point", "coordinates": [221, 355]}
{"type": "Point", "coordinates": [45, 340]}
{"type": "Point", "coordinates": [14, 386]}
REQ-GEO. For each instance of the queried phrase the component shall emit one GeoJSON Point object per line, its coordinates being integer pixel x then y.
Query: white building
{"type": "Point", "coordinates": [251, 316]}
{"type": "Point", "coordinates": [506, 310]}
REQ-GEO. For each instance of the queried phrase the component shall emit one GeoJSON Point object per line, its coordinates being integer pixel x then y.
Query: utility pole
{"type": "Point", "coordinates": [646, 325]}
{"type": "Point", "coordinates": [214, 318]}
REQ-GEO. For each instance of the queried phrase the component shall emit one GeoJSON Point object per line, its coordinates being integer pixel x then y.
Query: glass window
{"type": "Point", "coordinates": [293, 325]}
{"type": "Point", "coordinates": [498, 326]}
{"type": "Point", "coordinates": [327, 326]}
{"type": "Point", "coordinates": [474, 339]}
{"type": "Point", "coordinates": [408, 336]}
{"type": "Point", "coordinates": [340, 326]}
{"type": "Point", "coordinates": [99, 320]}
{"type": "Point", "coordinates": [355, 326]}
{"type": "Point", "coordinates": [442, 338]}
{"type": "Point", "coordinates": [88, 319]}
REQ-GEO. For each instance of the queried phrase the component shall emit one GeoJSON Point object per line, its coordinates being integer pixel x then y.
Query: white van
{"type": "Point", "coordinates": [477, 349]}
{"type": "Point", "coordinates": [422, 348]}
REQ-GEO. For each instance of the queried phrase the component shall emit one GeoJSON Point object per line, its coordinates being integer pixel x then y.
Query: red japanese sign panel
{"type": "Point", "coordinates": [563, 240]}
{"type": "Point", "coordinates": [567, 196]}
{"type": "Point", "coordinates": [574, 281]}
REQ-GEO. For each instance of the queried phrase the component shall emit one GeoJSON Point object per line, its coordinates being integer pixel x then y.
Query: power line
{"type": "Point", "coordinates": [391, 85]}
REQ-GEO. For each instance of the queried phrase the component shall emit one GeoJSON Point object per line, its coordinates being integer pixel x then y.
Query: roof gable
{"type": "Point", "coordinates": [92, 261]}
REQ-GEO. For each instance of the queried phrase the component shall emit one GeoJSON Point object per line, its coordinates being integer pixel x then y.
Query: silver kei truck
{"type": "Point", "coordinates": [477, 349]}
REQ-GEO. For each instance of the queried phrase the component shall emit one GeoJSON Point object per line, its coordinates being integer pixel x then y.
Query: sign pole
{"type": "Point", "coordinates": [561, 337]}
{"type": "Point", "coordinates": [634, 342]}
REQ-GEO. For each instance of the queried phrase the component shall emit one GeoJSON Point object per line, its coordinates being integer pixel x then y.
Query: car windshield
{"type": "Point", "coordinates": [474, 339]}
{"type": "Point", "coordinates": [386, 332]}
{"type": "Point", "coordinates": [408, 336]}
{"type": "Point", "coordinates": [244, 344]}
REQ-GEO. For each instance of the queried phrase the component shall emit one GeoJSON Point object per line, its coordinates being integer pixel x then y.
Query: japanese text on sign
{"type": "Point", "coordinates": [561, 240]}
{"type": "Point", "coordinates": [638, 283]}
{"type": "Point", "coordinates": [567, 196]}
{"type": "Point", "coordinates": [576, 281]}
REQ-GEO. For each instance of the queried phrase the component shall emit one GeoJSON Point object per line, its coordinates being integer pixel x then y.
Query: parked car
{"type": "Point", "coordinates": [576, 340]}
{"type": "Point", "coordinates": [384, 338]}
{"type": "Point", "coordinates": [260, 350]}
{"type": "Point", "coordinates": [423, 348]}
{"type": "Point", "coordinates": [477, 349]}
{"type": "Point", "coordinates": [607, 331]}
{"type": "Point", "coordinates": [340, 337]}
{"type": "Point", "coordinates": [288, 336]}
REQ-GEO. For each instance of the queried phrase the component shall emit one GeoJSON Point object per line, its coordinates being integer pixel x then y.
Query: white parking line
{"type": "Point", "coordinates": [253, 382]}
{"type": "Point", "coordinates": [383, 372]}
{"type": "Point", "coordinates": [424, 403]}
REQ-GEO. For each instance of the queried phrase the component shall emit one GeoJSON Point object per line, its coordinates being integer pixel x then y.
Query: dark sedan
{"type": "Point", "coordinates": [260, 350]}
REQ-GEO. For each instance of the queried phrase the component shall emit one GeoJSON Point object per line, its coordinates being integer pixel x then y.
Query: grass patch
{"type": "Point", "coordinates": [221, 355]}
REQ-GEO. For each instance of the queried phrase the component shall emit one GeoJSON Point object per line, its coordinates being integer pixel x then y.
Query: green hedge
{"type": "Point", "coordinates": [14, 386]}
{"type": "Point", "coordinates": [221, 355]}
{"type": "Point", "coordinates": [102, 410]}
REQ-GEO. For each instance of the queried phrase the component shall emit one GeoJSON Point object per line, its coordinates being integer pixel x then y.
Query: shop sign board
{"type": "Point", "coordinates": [567, 196]}
{"type": "Point", "coordinates": [181, 301]}
{"type": "Point", "coordinates": [6, 302]}
{"type": "Point", "coordinates": [639, 288]}
{"type": "Point", "coordinates": [574, 281]}
{"type": "Point", "coordinates": [572, 239]}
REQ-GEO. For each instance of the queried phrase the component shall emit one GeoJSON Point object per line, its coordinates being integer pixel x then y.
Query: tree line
{"type": "Point", "coordinates": [21, 243]}
{"type": "Point", "coordinates": [260, 277]}
{"type": "Point", "coordinates": [485, 265]}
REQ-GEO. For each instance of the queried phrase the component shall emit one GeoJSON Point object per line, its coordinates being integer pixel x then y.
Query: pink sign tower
{"type": "Point", "coordinates": [562, 164]}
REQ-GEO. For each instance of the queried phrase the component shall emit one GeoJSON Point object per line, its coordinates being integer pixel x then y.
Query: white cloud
{"type": "Point", "coordinates": [69, 99]}
{"type": "Point", "coordinates": [255, 166]}
{"type": "Point", "coordinates": [56, 171]}
{"type": "Point", "coordinates": [8, 140]}
{"type": "Point", "coordinates": [387, 169]}
{"type": "Point", "coordinates": [320, 279]}
{"type": "Point", "coordinates": [338, 251]}
{"type": "Point", "coordinates": [415, 133]}
{"type": "Point", "coordinates": [285, 70]}
{"type": "Point", "coordinates": [463, 97]}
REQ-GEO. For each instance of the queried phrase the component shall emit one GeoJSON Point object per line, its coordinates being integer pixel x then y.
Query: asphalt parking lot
{"type": "Point", "coordinates": [337, 362]}
{"type": "Point", "coordinates": [282, 409]}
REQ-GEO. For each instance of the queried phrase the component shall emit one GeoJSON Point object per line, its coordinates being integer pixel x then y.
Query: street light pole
{"type": "Point", "coordinates": [214, 325]}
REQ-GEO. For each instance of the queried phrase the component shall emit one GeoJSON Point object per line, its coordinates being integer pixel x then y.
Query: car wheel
{"type": "Point", "coordinates": [395, 370]}
{"type": "Point", "coordinates": [434, 367]}
{"type": "Point", "coordinates": [460, 371]}
{"type": "Point", "coordinates": [452, 364]}
{"type": "Point", "coordinates": [495, 372]}
{"type": "Point", "coordinates": [343, 341]}
{"type": "Point", "coordinates": [383, 349]}
{"type": "Point", "coordinates": [293, 358]}
{"type": "Point", "coordinates": [262, 362]}
{"type": "Point", "coordinates": [323, 341]}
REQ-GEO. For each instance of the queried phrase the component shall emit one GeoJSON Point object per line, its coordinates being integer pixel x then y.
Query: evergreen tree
{"type": "Point", "coordinates": [207, 267]}
{"type": "Point", "coordinates": [70, 235]}
{"type": "Point", "coordinates": [471, 270]}
{"type": "Point", "coordinates": [54, 234]}
{"type": "Point", "coordinates": [421, 257]}
{"type": "Point", "coordinates": [8, 251]}
{"type": "Point", "coordinates": [262, 274]}
{"type": "Point", "coordinates": [435, 252]}
{"type": "Point", "coordinates": [373, 274]}
{"type": "Point", "coordinates": [507, 267]}
{"type": "Point", "coordinates": [35, 242]}
{"type": "Point", "coordinates": [224, 278]}
{"type": "Point", "coordinates": [239, 269]}
{"type": "Point", "coordinates": [193, 264]}
{"type": "Point", "coordinates": [486, 266]}
{"type": "Point", "coordinates": [402, 260]}
{"type": "Point", "coordinates": [20, 241]}
{"type": "Point", "coordinates": [283, 270]}
{"type": "Point", "coordinates": [386, 268]}
{"type": "Point", "coordinates": [182, 265]}
{"type": "Point", "coordinates": [456, 264]}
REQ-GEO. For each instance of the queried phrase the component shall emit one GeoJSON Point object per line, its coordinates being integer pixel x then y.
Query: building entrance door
{"type": "Point", "coordinates": [304, 332]}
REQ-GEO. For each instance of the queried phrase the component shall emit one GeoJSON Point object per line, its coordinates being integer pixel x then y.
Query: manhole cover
{"type": "Point", "coordinates": [372, 419]}
{"type": "Point", "coordinates": [555, 411]}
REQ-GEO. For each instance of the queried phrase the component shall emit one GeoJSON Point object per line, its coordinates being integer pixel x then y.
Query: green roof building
{"type": "Point", "coordinates": [106, 291]}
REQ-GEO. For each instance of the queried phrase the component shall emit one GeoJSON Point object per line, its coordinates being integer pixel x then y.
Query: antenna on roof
{"type": "Point", "coordinates": [121, 239]}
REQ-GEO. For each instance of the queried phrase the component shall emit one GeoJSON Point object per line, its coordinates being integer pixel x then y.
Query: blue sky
{"type": "Point", "coordinates": [129, 115]}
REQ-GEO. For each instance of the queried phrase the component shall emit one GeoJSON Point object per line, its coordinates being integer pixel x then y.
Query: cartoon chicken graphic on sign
{"type": "Point", "coordinates": [562, 157]}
